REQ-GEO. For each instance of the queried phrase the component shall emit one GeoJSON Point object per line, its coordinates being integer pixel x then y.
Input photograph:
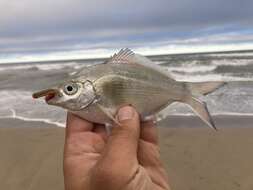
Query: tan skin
{"type": "Point", "coordinates": [127, 159]}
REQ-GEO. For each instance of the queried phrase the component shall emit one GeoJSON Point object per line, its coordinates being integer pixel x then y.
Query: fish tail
{"type": "Point", "coordinates": [203, 88]}
{"type": "Point", "coordinates": [199, 107]}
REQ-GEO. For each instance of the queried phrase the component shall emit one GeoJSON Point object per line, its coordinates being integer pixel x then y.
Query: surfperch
{"type": "Point", "coordinates": [96, 92]}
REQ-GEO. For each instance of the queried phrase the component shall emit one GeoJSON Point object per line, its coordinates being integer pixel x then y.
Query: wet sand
{"type": "Point", "coordinates": [196, 158]}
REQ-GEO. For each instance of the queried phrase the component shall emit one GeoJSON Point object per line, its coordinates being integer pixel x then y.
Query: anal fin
{"type": "Point", "coordinates": [201, 110]}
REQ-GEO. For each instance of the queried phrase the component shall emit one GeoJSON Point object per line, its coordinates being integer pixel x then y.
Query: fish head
{"type": "Point", "coordinates": [72, 95]}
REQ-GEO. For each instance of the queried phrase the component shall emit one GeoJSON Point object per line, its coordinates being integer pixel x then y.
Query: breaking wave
{"type": "Point", "coordinates": [192, 69]}
{"type": "Point", "coordinates": [20, 105]}
{"type": "Point", "coordinates": [209, 77]}
{"type": "Point", "coordinates": [232, 62]}
{"type": "Point", "coordinates": [235, 54]}
{"type": "Point", "coordinates": [42, 66]}
{"type": "Point", "coordinates": [48, 121]}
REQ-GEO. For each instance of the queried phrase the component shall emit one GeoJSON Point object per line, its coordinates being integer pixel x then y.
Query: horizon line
{"type": "Point", "coordinates": [106, 57]}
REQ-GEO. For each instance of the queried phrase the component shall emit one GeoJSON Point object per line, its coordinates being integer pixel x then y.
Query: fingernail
{"type": "Point", "coordinates": [125, 113]}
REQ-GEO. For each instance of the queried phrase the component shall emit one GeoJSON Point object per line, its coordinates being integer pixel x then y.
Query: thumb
{"type": "Point", "coordinates": [122, 144]}
{"type": "Point", "coordinates": [118, 163]}
{"type": "Point", "coordinates": [128, 132]}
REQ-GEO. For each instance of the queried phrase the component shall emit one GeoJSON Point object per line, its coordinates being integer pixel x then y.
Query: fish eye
{"type": "Point", "coordinates": [70, 88]}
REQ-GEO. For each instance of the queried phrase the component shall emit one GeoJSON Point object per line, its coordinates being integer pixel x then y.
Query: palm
{"type": "Point", "coordinates": [89, 163]}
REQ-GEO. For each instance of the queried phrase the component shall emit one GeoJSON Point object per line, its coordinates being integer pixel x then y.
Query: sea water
{"type": "Point", "coordinates": [19, 80]}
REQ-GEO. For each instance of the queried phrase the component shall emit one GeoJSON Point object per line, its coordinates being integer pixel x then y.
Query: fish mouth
{"type": "Point", "coordinates": [49, 94]}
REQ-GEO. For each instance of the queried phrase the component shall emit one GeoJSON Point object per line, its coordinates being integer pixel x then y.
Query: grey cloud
{"type": "Point", "coordinates": [35, 25]}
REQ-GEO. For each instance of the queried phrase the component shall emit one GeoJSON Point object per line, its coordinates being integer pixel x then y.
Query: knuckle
{"type": "Point", "coordinates": [125, 131]}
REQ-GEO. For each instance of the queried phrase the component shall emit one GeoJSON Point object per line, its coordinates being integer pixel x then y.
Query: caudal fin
{"type": "Point", "coordinates": [203, 88]}
{"type": "Point", "coordinates": [201, 110]}
{"type": "Point", "coordinates": [199, 107]}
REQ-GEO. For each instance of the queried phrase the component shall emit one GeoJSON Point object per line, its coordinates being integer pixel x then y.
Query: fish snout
{"type": "Point", "coordinates": [49, 94]}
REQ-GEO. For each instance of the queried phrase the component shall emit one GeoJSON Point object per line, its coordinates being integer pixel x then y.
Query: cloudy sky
{"type": "Point", "coordinates": [66, 29]}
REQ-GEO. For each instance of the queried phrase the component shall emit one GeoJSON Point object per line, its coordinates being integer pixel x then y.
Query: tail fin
{"type": "Point", "coordinates": [199, 107]}
{"type": "Point", "coordinates": [201, 110]}
{"type": "Point", "coordinates": [203, 88]}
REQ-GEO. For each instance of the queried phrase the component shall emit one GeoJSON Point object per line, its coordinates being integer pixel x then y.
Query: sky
{"type": "Point", "coordinates": [32, 30]}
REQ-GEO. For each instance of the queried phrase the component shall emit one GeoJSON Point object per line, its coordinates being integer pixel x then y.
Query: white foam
{"type": "Point", "coordinates": [20, 105]}
{"type": "Point", "coordinates": [42, 66]}
{"type": "Point", "coordinates": [232, 62]}
{"type": "Point", "coordinates": [233, 114]}
{"type": "Point", "coordinates": [15, 116]}
{"type": "Point", "coordinates": [159, 62]}
{"type": "Point", "coordinates": [212, 114]}
{"type": "Point", "coordinates": [209, 77]}
{"type": "Point", "coordinates": [242, 54]}
{"type": "Point", "coordinates": [16, 67]}
{"type": "Point", "coordinates": [191, 69]}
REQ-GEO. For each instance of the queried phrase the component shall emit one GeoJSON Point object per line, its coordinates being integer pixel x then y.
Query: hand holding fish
{"type": "Point", "coordinates": [128, 159]}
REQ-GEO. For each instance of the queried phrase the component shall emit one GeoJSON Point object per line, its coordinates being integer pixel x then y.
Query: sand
{"type": "Point", "coordinates": [31, 157]}
{"type": "Point", "coordinates": [196, 158]}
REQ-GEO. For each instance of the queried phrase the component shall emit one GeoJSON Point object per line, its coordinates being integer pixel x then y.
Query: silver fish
{"type": "Point", "coordinates": [97, 92]}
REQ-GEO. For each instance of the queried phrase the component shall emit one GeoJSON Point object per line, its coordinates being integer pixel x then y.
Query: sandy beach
{"type": "Point", "coordinates": [196, 158]}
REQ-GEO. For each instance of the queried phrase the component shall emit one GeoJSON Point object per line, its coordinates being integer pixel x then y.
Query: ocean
{"type": "Point", "coordinates": [19, 80]}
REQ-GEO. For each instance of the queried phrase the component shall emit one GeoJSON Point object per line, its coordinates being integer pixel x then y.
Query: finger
{"type": "Point", "coordinates": [148, 152]}
{"type": "Point", "coordinates": [122, 144]}
{"type": "Point", "coordinates": [81, 151]}
{"type": "Point", "coordinates": [101, 131]}
{"type": "Point", "coordinates": [149, 158]}
{"type": "Point", "coordinates": [149, 132]}
{"type": "Point", "coordinates": [80, 138]}
{"type": "Point", "coordinates": [75, 124]}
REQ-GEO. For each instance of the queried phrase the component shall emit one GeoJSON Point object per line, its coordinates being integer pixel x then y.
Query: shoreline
{"type": "Point", "coordinates": [172, 121]}
{"type": "Point", "coordinates": [221, 121]}
{"type": "Point", "coordinates": [20, 123]}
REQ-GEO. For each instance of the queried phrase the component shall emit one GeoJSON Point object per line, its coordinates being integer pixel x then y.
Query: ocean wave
{"type": "Point", "coordinates": [20, 105]}
{"type": "Point", "coordinates": [192, 69]}
{"type": "Point", "coordinates": [232, 62]}
{"type": "Point", "coordinates": [209, 77]}
{"type": "Point", "coordinates": [42, 66]}
{"type": "Point", "coordinates": [213, 114]}
{"type": "Point", "coordinates": [48, 121]}
{"type": "Point", "coordinates": [242, 54]}
{"type": "Point", "coordinates": [17, 67]}
{"type": "Point", "coordinates": [160, 62]}
{"type": "Point", "coordinates": [167, 112]}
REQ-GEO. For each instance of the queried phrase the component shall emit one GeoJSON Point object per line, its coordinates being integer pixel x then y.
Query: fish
{"type": "Point", "coordinates": [95, 93]}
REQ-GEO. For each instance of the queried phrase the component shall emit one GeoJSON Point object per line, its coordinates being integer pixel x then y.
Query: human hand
{"type": "Point", "coordinates": [127, 159]}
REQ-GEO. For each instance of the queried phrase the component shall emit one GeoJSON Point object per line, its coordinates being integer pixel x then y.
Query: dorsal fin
{"type": "Point", "coordinates": [124, 56]}
{"type": "Point", "coordinates": [145, 62]}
